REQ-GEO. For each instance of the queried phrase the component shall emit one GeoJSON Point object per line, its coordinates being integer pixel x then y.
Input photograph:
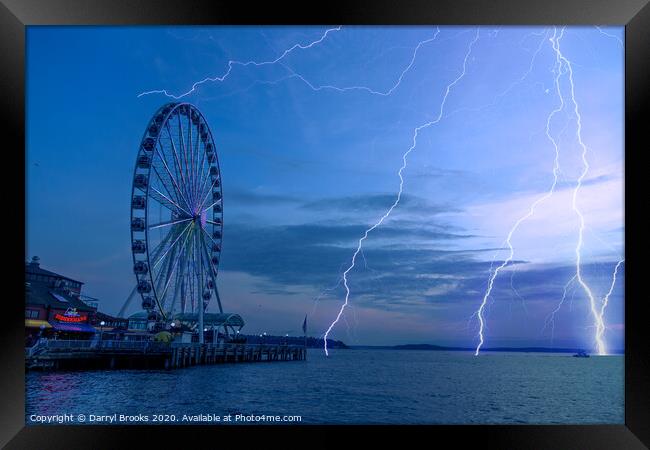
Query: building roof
{"type": "Point", "coordinates": [212, 318]}
{"type": "Point", "coordinates": [99, 316]}
{"type": "Point", "coordinates": [35, 269]}
{"type": "Point", "coordinates": [140, 315]}
{"type": "Point", "coordinates": [42, 294]}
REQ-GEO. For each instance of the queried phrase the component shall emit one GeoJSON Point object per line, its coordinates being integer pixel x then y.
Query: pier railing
{"type": "Point", "coordinates": [64, 345]}
{"type": "Point", "coordinates": [89, 345]}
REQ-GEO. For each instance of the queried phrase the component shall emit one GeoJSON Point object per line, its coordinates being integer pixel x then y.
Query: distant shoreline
{"type": "Point", "coordinates": [431, 347]}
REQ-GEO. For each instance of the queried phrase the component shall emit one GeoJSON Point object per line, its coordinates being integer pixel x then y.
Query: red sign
{"type": "Point", "coordinates": [74, 319]}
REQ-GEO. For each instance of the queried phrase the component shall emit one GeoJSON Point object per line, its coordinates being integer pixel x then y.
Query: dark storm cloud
{"type": "Point", "coordinates": [316, 254]}
{"type": "Point", "coordinates": [251, 198]}
{"type": "Point", "coordinates": [437, 172]}
{"type": "Point", "coordinates": [376, 202]}
{"type": "Point", "coordinates": [588, 181]}
{"type": "Point", "coordinates": [455, 282]}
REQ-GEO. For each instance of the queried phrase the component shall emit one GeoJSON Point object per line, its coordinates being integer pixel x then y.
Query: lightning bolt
{"type": "Point", "coordinates": [531, 211]}
{"type": "Point", "coordinates": [600, 331]}
{"type": "Point", "coordinates": [323, 293]}
{"type": "Point", "coordinates": [296, 75]}
{"type": "Point", "coordinates": [551, 318]}
{"type": "Point", "coordinates": [597, 316]}
{"type": "Point", "coordinates": [600, 30]}
{"type": "Point", "coordinates": [416, 132]}
{"type": "Point", "coordinates": [562, 62]}
{"type": "Point", "coordinates": [233, 63]}
{"type": "Point", "coordinates": [366, 88]}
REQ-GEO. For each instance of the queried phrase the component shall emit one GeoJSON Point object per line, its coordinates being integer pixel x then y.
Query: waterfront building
{"type": "Point", "coordinates": [52, 306]}
{"type": "Point", "coordinates": [34, 273]}
{"type": "Point", "coordinates": [90, 301]}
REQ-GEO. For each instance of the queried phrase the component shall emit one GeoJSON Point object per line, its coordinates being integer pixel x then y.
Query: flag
{"type": "Point", "coordinates": [304, 325]}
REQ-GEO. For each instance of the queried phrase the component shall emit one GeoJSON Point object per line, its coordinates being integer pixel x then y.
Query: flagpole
{"type": "Point", "coordinates": [304, 333]}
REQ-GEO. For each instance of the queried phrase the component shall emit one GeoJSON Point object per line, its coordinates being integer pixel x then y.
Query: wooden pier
{"type": "Point", "coordinates": [64, 355]}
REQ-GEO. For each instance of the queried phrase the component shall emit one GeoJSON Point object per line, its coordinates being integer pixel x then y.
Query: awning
{"type": "Point", "coordinates": [78, 327]}
{"type": "Point", "coordinates": [31, 323]}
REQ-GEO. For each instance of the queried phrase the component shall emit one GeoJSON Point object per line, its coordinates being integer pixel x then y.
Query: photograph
{"type": "Point", "coordinates": [324, 225]}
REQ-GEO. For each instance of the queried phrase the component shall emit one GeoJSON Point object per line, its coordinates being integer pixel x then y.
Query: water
{"type": "Point", "coordinates": [355, 387]}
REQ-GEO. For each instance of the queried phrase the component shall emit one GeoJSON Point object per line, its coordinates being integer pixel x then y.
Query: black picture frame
{"type": "Point", "coordinates": [15, 15]}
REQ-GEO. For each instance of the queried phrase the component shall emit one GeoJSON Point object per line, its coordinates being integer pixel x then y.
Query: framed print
{"type": "Point", "coordinates": [392, 218]}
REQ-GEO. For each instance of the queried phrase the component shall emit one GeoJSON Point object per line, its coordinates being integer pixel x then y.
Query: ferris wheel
{"type": "Point", "coordinates": [176, 214]}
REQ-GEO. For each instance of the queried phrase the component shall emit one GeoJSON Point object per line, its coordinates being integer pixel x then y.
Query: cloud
{"type": "Point", "coordinates": [589, 181]}
{"type": "Point", "coordinates": [252, 198]}
{"type": "Point", "coordinates": [379, 202]}
{"type": "Point", "coordinates": [314, 255]}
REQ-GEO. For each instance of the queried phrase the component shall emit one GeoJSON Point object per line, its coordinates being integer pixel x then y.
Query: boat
{"type": "Point", "coordinates": [581, 354]}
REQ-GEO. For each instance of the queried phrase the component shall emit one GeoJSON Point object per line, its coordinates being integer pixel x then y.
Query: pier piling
{"type": "Point", "coordinates": [123, 354]}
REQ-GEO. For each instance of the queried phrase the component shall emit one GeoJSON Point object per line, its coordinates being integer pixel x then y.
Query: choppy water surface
{"type": "Point", "coordinates": [355, 386]}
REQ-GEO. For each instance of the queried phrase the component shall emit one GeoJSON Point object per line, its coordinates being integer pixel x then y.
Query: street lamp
{"type": "Point", "coordinates": [101, 330]}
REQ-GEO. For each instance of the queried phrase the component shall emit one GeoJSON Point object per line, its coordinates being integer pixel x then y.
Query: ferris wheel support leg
{"type": "Point", "coordinates": [201, 332]}
{"type": "Point", "coordinates": [216, 291]}
{"type": "Point", "coordinates": [127, 302]}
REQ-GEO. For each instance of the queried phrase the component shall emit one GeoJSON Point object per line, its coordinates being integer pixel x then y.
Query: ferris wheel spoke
{"type": "Point", "coordinates": [205, 253]}
{"type": "Point", "coordinates": [209, 237]}
{"type": "Point", "coordinates": [196, 153]}
{"type": "Point", "coordinates": [190, 151]}
{"type": "Point", "coordinates": [212, 185]}
{"type": "Point", "coordinates": [177, 287]}
{"type": "Point", "coordinates": [173, 179]}
{"type": "Point", "coordinates": [184, 147]}
{"type": "Point", "coordinates": [213, 273]}
{"type": "Point", "coordinates": [205, 182]}
{"type": "Point", "coordinates": [204, 177]}
{"type": "Point", "coordinates": [169, 223]}
{"type": "Point", "coordinates": [167, 202]}
{"type": "Point", "coordinates": [201, 174]}
{"type": "Point", "coordinates": [159, 247]}
{"type": "Point", "coordinates": [172, 245]}
{"type": "Point", "coordinates": [157, 277]}
{"type": "Point", "coordinates": [163, 200]}
{"type": "Point", "coordinates": [203, 280]}
{"type": "Point", "coordinates": [166, 176]}
{"type": "Point", "coordinates": [162, 300]}
{"type": "Point", "coordinates": [177, 160]}
{"type": "Point", "coordinates": [198, 274]}
{"type": "Point", "coordinates": [164, 182]}
{"type": "Point", "coordinates": [195, 302]}
{"type": "Point", "coordinates": [190, 185]}
{"type": "Point", "coordinates": [174, 268]}
{"type": "Point", "coordinates": [191, 273]}
{"type": "Point", "coordinates": [208, 193]}
{"type": "Point", "coordinates": [205, 209]}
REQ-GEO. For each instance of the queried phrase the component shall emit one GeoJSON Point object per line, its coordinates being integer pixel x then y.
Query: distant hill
{"type": "Point", "coordinates": [312, 342]}
{"type": "Point", "coordinates": [426, 347]}
{"type": "Point", "coordinates": [468, 349]}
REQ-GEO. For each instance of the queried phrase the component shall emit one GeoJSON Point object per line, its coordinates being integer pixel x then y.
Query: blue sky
{"type": "Point", "coordinates": [307, 168]}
